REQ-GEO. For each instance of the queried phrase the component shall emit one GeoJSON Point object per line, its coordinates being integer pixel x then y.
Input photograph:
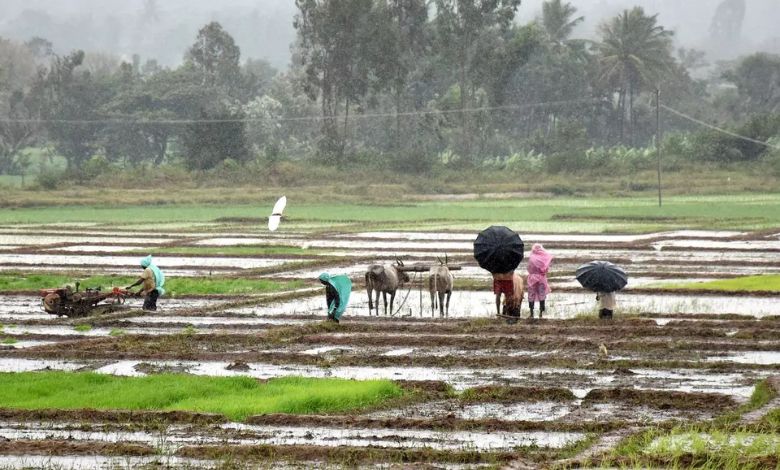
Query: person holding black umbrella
{"type": "Point", "coordinates": [607, 304]}
{"type": "Point", "coordinates": [499, 250]}
{"type": "Point", "coordinates": [605, 279]}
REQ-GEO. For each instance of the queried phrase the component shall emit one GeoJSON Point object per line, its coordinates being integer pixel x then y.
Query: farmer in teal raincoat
{"type": "Point", "coordinates": [153, 280]}
{"type": "Point", "coordinates": [337, 290]}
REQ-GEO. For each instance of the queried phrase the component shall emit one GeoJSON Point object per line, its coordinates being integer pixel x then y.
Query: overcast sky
{"type": "Point", "coordinates": [263, 28]}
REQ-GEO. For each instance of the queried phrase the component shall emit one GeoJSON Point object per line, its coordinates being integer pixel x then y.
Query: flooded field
{"type": "Point", "coordinates": [486, 392]}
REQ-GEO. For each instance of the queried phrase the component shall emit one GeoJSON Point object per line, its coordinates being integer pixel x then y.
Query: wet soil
{"type": "Point", "coordinates": [478, 391]}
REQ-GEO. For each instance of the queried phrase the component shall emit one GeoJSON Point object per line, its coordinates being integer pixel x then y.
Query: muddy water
{"type": "Point", "coordinates": [579, 381]}
{"type": "Point", "coordinates": [722, 245]}
{"type": "Point", "coordinates": [68, 331]}
{"type": "Point", "coordinates": [463, 304]}
{"type": "Point", "coordinates": [574, 412]}
{"type": "Point", "coordinates": [243, 434]}
{"type": "Point", "coordinates": [28, 365]}
{"type": "Point", "coordinates": [475, 304]}
{"type": "Point", "coordinates": [27, 239]}
{"type": "Point", "coordinates": [162, 261]}
{"type": "Point", "coordinates": [120, 271]}
{"type": "Point", "coordinates": [215, 322]}
{"type": "Point", "coordinates": [561, 270]}
{"type": "Point", "coordinates": [749, 357]}
{"type": "Point", "coordinates": [397, 438]}
{"type": "Point", "coordinates": [526, 411]}
{"type": "Point", "coordinates": [101, 248]}
{"type": "Point", "coordinates": [90, 462]}
{"type": "Point", "coordinates": [603, 412]}
{"type": "Point", "coordinates": [21, 308]}
{"type": "Point", "coordinates": [547, 237]}
{"type": "Point", "coordinates": [24, 344]}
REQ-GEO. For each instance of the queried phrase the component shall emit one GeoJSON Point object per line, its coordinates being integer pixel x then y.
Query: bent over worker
{"type": "Point", "coordinates": [337, 291]}
{"type": "Point", "coordinates": [153, 280]}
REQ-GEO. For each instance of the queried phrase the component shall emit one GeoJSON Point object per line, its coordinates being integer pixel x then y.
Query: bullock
{"type": "Point", "coordinates": [384, 279]}
{"type": "Point", "coordinates": [440, 281]}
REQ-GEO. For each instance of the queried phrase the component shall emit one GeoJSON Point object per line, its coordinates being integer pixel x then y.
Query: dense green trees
{"type": "Point", "coordinates": [408, 85]}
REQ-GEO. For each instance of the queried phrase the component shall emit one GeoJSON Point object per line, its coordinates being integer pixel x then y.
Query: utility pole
{"type": "Point", "coordinates": [658, 137]}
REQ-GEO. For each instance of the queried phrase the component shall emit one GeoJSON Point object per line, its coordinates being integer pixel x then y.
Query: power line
{"type": "Point", "coordinates": [132, 120]}
{"type": "Point", "coordinates": [718, 129]}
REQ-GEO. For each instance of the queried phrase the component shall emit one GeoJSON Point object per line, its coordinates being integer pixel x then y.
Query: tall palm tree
{"type": "Point", "coordinates": [634, 52]}
{"type": "Point", "coordinates": [557, 20]}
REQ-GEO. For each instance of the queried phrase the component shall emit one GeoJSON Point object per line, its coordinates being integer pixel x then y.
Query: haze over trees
{"type": "Point", "coordinates": [398, 85]}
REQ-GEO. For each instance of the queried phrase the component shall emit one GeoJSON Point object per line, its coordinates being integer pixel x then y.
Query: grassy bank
{"type": "Point", "coordinates": [234, 397]}
{"type": "Point", "coordinates": [719, 444]}
{"type": "Point", "coordinates": [526, 214]}
{"type": "Point", "coordinates": [763, 283]}
{"type": "Point", "coordinates": [10, 281]}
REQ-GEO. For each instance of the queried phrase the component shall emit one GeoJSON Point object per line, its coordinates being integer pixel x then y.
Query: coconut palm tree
{"type": "Point", "coordinates": [557, 20]}
{"type": "Point", "coordinates": [634, 52]}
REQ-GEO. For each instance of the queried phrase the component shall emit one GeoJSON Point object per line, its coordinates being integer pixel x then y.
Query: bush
{"type": "Point", "coordinates": [95, 167]}
{"type": "Point", "coordinates": [772, 158]}
{"type": "Point", "coordinates": [49, 179]}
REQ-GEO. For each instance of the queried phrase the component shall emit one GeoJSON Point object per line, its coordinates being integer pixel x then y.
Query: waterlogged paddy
{"type": "Point", "coordinates": [91, 462]}
{"type": "Point", "coordinates": [579, 381]}
{"type": "Point", "coordinates": [539, 411]}
{"type": "Point", "coordinates": [474, 304]}
{"type": "Point", "coordinates": [546, 238]}
{"type": "Point", "coordinates": [651, 258]}
{"type": "Point", "coordinates": [244, 434]}
{"type": "Point", "coordinates": [132, 261]}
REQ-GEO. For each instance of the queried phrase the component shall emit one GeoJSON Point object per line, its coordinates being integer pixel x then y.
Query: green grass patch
{"type": "Point", "coordinates": [116, 332]}
{"type": "Point", "coordinates": [761, 283]}
{"type": "Point", "coordinates": [720, 446]}
{"type": "Point", "coordinates": [235, 397]}
{"type": "Point", "coordinates": [771, 421]}
{"type": "Point", "coordinates": [9, 341]}
{"type": "Point", "coordinates": [173, 285]}
{"type": "Point", "coordinates": [596, 214]}
{"type": "Point", "coordinates": [83, 328]}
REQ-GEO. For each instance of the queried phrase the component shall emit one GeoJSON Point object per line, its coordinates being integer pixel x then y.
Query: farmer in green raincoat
{"type": "Point", "coordinates": [153, 280]}
{"type": "Point", "coordinates": [337, 290]}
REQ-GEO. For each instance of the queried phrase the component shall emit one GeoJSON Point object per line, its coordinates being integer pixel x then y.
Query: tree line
{"type": "Point", "coordinates": [407, 85]}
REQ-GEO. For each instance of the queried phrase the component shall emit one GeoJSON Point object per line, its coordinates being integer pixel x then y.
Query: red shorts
{"type": "Point", "coordinates": [503, 287]}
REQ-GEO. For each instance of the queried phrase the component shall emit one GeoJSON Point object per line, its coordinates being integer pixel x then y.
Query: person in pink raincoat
{"type": "Point", "coordinates": [538, 267]}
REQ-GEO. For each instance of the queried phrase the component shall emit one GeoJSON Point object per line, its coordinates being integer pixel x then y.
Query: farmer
{"type": "Point", "coordinates": [513, 302]}
{"type": "Point", "coordinates": [153, 280]}
{"type": "Point", "coordinates": [337, 290]}
{"type": "Point", "coordinates": [503, 284]}
{"type": "Point", "coordinates": [607, 304]}
{"type": "Point", "coordinates": [538, 288]}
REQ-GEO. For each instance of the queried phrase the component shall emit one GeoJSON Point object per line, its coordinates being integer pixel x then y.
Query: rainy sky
{"type": "Point", "coordinates": [163, 29]}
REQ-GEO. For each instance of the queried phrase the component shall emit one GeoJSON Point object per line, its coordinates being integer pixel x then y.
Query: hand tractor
{"type": "Point", "coordinates": [67, 302]}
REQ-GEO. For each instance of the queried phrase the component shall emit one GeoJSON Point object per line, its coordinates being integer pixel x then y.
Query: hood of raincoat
{"type": "Point", "coordinates": [343, 287]}
{"type": "Point", "coordinates": [539, 261]}
{"type": "Point", "coordinates": [159, 277]}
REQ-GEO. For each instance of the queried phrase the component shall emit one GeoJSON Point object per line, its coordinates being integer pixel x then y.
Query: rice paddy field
{"type": "Point", "coordinates": [238, 369]}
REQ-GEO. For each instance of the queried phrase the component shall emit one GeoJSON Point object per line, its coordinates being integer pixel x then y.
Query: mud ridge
{"type": "Point", "coordinates": [438, 424]}
{"type": "Point", "coordinates": [58, 447]}
{"type": "Point", "coordinates": [347, 456]}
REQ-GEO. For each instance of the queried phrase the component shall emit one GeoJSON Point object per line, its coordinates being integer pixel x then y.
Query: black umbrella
{"type": "Point", "coordinates": [498, 249]}
{"type": "Point", "coordinates": [602, 276]}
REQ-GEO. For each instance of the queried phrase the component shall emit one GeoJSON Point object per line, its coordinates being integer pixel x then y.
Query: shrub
{"type": "Point", "coordinates": [49, 179]}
